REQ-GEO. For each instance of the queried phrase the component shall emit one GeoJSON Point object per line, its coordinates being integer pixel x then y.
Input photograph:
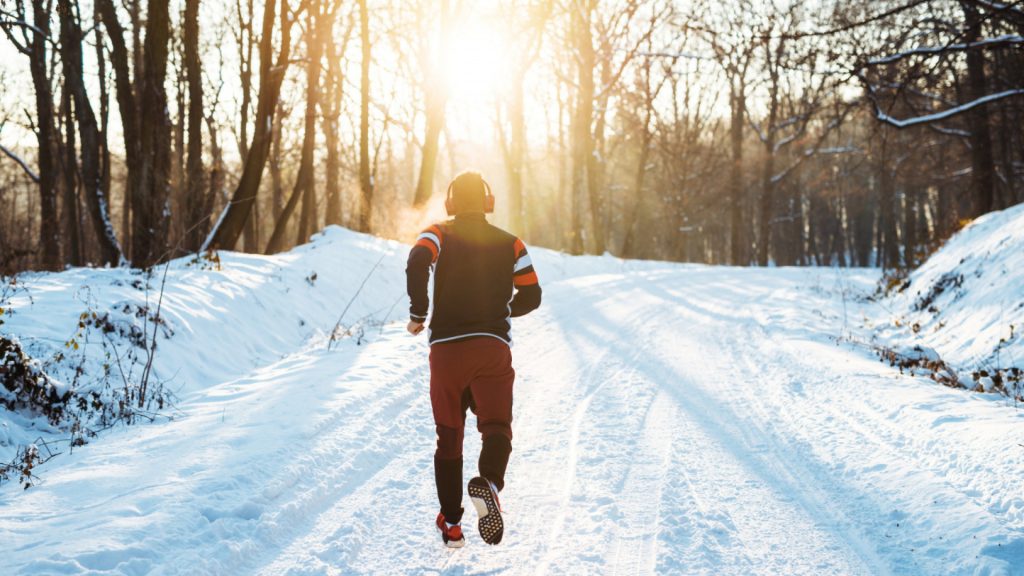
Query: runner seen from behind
{"type": "Point", "coordinates": [483, 276]}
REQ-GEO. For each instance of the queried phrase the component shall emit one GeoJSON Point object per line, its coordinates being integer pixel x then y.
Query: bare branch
{"type": "Point", "coordinates": [997, 42]}
{"type": "Point", "coordinates": [948, 113]}
{"type": "Point", "coordinates": [24, 166]}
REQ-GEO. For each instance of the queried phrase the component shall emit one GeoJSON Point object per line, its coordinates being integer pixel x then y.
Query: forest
{"type": "Point", "coordinates": [742, 132]}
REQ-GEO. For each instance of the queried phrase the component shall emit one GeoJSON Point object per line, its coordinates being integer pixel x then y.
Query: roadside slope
{"type": "Point", "coordinates": [966, 302]}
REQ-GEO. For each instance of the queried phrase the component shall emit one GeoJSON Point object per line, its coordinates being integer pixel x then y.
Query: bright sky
{"type": "Point", "coordinates": [476, 65]}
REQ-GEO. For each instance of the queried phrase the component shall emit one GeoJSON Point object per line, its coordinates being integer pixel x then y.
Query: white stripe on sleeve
{"type": "Point", "coordinates": [430, 236]}
{"type": "Point", "coordinates": [522, 263]}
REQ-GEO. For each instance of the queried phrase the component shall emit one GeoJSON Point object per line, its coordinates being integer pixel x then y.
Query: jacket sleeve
{"type": "Point", "coordinates": [524, 278]}
{"type": "Point", "coordinates": [417, 271]}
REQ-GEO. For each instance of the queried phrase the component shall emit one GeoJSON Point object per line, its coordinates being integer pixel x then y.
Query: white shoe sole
{"type": "Point", "coordinates": [490, 524]}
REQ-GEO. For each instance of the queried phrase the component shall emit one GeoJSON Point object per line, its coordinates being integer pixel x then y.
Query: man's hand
{"type": "Point", "coordinates": [414, 327]}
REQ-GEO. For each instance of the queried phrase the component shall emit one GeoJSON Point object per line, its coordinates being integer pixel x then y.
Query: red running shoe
{"type": "Point", "coordinates": [451, 534]}
{"type": "Point", "coordinates": [484, 496]}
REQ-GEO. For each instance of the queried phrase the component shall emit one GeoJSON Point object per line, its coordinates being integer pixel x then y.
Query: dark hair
{"type": "Point", "coordinates": [468, 191]}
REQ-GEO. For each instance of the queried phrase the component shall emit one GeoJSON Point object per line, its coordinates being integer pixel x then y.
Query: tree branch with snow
{"type": "Point", "coordinates": [7, 152]}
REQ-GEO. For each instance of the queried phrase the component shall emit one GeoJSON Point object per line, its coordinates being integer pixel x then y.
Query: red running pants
{"type": "Point", "coordinates": [483, 366]}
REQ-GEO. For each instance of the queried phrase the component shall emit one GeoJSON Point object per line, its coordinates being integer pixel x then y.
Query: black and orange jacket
{"type": "Point", "coordinates": [477, 267]}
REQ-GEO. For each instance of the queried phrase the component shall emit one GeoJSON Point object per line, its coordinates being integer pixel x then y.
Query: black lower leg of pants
{"type": "Point", "coordinates": [448, 477]}
{"type": "Point", "coordinates": [494, 458]}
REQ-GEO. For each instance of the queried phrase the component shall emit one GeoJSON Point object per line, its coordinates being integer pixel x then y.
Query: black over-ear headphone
{"type": "Point", "coordinates": [449, 201]}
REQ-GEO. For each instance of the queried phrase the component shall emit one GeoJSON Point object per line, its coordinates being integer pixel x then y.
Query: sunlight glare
{"type": "Point", "coordinates": [475, 60]}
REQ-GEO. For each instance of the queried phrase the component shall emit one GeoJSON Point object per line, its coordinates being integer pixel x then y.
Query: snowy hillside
{"type": "Point", "coordinates": [219, 319]}
{"type": "Point", "coordinates": [966, 303]}
{"type": "Point", "coordinates": [669, 419]}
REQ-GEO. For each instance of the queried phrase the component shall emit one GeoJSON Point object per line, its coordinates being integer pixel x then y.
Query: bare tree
{"type": "Point", "coordinates": [127, 102]}
{"type": "Point", "coordinates": [32, 42]}
{"type": "Point", "coordinates": [150, 208]}
{"type": "Point", "coordinates": [331, 107]}
{"type": "Point", "coordinates": [733, 45]}
{"type": "Point", "coordinates": [272, 72]}
{"type": "Point", "coordinates": [982, 161]}
{"type": "Point", "coordinates": [195, 186]}
{"type": "Point", "coordinates": [88, 133]}
{"type": "Point", "coordinates": [319, 17]}
{"type": "Point", "coordinates": [512, 131]}
{"type": "Point", "coordinates": [893, 74]}
{"type": "Point", "coordinates": [436, 97]}
{"type": "Point", "coordinates": [649, 86]}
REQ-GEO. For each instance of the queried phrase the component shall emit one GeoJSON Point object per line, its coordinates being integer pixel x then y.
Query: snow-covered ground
{"type": "Point", "coordinates": [670, 419]}
{"type": "Point", "coordinates": [966, 303]}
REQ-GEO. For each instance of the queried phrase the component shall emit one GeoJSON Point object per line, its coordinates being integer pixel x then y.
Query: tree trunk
{"type": "Point", "coordinates": [276, 242]}
{"type": "Point", "coordinates": [271, 76]}
{"type": "Point", "coordinates": [101, 68]}
{"type": "Point", "coordinates": [582, 136]}
{"type": "Point", "coordinates": [332, 110]}
{"type": "Point", "coordinates": [304, 180]}
{"type": "Point", "coordinates": [215, 182]}
{"type": "Point", "coordinates": [437, 101]}
{"type": "Point", "coordinates": [250, 236]}
{"type": "Point", "coordinates": [516, 158]}
{"type": "Point", "coordinates": [773, 58]}
{"type": "Point", "coordinates": [150, 208]}
{"type": "Point", "coordinates": [321, 27]}
{"type": "Point", "coordinates": [308, 220]}
{"type": "Point", "coordinates": [245, 44]}
{"type": "Point", "coordinates": [596, 188]}
{"type": "Point", "coordinates": [47, 139]}
{"type": "Point", "coordinates": [910, 206]}
{"type": "Point", "coordinates": [982, 162]}
{"type": "Point", "coordinates": [88, 133]}
{"type": "Point", "coordinates": [737, 110]}
{"type": "Point", "coordinates": [276, 178]}
{"type": "Point", "coordinates": [71, 221]}
{"type": "Point", "coordinates": [127, 104]}
{"type": "Point", "coordinates": [889, 248]}
{"type": "Point", "coordinates": [365, 178]}
{"type": "Point", "coordinates": [195, 187]}
{"type": "Point", "coordinates": [177, 191]}
{"type": "Point", "coordinates": [629, 243]}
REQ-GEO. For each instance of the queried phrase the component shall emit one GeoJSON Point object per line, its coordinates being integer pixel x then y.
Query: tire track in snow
{"type": "Point", "coordinates": [558, 525]}
{"type": "Point", "coordinates": [742, 525]}
{"type": "Point", "coordinates": [347, 439]}
{"type": "Point", "coordinates": [635, 548]}
{"type": "Point", "coordinates": [918, 471]}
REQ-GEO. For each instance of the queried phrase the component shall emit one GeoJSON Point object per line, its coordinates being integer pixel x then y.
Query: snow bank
{"type": "Point", "coordinates": [967, 301]}
{"type": "Point", "coordinates": [218, 320]}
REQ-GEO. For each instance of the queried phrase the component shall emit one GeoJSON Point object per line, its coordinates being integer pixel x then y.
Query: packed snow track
{"type": "Point", "coordinates": [668, 419]}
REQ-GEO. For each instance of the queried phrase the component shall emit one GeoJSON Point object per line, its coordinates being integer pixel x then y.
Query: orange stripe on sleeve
{"type": "Point", "coordinates": [429, 245]}
{"type": "Point", "coordinates": [518, 246]}
{"type": "Point", "coordinates": [528, 279]}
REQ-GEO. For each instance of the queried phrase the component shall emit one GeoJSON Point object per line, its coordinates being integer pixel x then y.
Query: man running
{"type": "Point", "coordinates": [477, 267]}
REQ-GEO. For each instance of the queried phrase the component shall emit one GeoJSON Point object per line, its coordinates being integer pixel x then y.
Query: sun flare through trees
{"type": "Point", "coordinates": [743, 132]}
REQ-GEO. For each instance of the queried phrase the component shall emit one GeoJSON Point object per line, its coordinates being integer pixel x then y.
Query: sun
{"type": "Point", "coordinates": [475, 60]}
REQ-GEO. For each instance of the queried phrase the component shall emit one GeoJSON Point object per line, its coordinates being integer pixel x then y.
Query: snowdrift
{"type": "Point", "coordinates": [89, 330]}
{"type": "Point", "coordinates": [965, 304]}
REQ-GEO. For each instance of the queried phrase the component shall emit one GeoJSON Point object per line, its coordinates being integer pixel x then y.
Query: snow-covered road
{"type": "Point", "coordinates": [668, 419]}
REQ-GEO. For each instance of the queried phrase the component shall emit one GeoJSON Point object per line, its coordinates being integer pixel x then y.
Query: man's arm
{"type": "Point", "coordinates": [417, 273]}
{"type": "Point", "coordinates": [524, 278]}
